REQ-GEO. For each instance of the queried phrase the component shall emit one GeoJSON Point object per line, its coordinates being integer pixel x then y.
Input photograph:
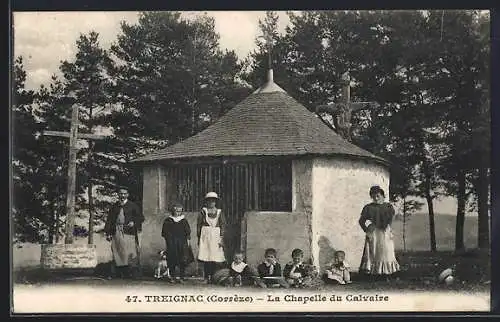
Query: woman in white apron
{"type": "Point", "coordinates": [379, 259]}
{"type": "Point", "coordinates": [210, 230]}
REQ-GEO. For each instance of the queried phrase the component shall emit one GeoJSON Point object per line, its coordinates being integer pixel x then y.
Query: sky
{"type": "Point", "coordinates": [46, 38]}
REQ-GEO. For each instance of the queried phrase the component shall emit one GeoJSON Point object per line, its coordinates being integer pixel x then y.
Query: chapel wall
{"type": "Point", "coordinates": [340, 189]}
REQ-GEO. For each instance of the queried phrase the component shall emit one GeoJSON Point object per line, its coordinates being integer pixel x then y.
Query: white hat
{"type": "Point", "coordinates": [212, 195]}
{"type": "Point", "coordinates": [445, 274]}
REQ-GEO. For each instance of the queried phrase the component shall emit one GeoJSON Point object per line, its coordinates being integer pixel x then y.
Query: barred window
{"type": "Point", "coordinates": [262, 186]}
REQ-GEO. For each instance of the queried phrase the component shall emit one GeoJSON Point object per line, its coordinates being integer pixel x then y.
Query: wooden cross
{"type": "Point", "coordinates": [70, 196]}
{"type": "Point", "coordinates": [342, 111]}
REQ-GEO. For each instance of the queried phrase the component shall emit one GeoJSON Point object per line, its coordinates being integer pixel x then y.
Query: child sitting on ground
{"type": "Point", "coordinates": [338, 271]}
{"type": "Point", "coordinates": [270, 270]}
{"type": "Point", "coordinates": [299, 274]}
{"type": "Point", "coordinates": [240, 273]}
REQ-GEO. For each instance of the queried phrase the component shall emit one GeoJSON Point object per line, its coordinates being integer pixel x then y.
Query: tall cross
{"type": "Point", "coordinates": [342, 111]}
{"type": "Point", "coordinates": [73, 149]}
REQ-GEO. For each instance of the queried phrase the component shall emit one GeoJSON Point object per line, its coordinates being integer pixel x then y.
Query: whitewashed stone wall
{"type": "Point", "coordinates": [302, 185]}
{"type": "Point", "coordinates": [340, 189]}
{"type": "Point", "coordinates": [283, 231]}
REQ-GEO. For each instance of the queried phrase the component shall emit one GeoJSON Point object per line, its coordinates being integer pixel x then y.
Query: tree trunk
{"type": "Point", "coordinates": [193, 89]}
{"type": "Point", "coordinates": [483, 231]}
{"type": "Point", "coordinates": [91, 200]}
{"type": "Point", "coordinates": [90, 186]}
{"type": "Point", "coordinates": [427, 177]}
{"type": "Point", "coordinates": [53, 226]}
{"type": "Point", "coordinates": [91, 215]}
{"type": "Point", "coordinates": [432, 226]}
{"type": "Point", "coordinates": [461, 196]}
{"type": "Point", "coordinates": [404, 224]}
{"type": "Point", "coordinates": [56, 222]}
{"type": "Point", "coordinates": [430, 205]}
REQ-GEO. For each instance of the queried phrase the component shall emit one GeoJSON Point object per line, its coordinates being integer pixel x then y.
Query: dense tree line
{"type": "Point", "coordinates": [429, 72]}
{"type": "Point", "coordinates": [166, 78]}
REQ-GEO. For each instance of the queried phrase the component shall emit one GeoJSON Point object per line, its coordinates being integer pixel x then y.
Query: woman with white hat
{"type": "Point", "coordinates": [210, 232]}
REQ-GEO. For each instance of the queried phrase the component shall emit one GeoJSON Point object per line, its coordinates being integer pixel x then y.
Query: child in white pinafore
{"type": "Point", "coordinates": [338, 271]}
{"type": "Point", "coordinates": [210, 231]}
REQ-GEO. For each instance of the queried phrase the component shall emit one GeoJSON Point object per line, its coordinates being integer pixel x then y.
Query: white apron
{"type": "Point", "coordinates": [378, 255]}
{"type": "Point", "coordinates": [209, 249]}
{"type": "Point", "coordinates": [123, 246]}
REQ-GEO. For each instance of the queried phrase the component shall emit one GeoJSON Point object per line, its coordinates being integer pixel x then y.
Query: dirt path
{"type": "Point", "coordinates": [195, 283]}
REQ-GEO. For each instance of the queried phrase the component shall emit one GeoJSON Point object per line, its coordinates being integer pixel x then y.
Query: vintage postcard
{"type": "Point", "coordinates": [250, 161]}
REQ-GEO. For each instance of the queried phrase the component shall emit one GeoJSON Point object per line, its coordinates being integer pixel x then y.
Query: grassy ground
{"type": "Point", "coordinates": [400, 284]}
{"type": "Point", "coordinates": [420, 268]}
{"type": "Point", "coordinates": [419, 271]}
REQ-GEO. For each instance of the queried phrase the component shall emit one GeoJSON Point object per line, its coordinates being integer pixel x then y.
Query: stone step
{"type": "Point", "coordinates": [68, 256]}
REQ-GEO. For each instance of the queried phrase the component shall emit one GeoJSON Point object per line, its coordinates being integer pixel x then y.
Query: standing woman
{"type": "Point", "coordinates": [379, 258]}
{"type": "Point", "coordinates": [123, 227]}
{"type": "Point", "coordinates": [210, 232]}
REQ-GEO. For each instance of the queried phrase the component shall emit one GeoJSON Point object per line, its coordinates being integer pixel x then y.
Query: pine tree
{"type": "Point", "coordinates": [410, 63]}
{"type": "Point", "coordinates": [27, 224]}
{"type": "Point", "coordinates": [171, 81]}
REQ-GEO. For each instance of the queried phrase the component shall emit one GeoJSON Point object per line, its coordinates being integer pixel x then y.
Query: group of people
{"type": "Point", "coordinates": [125, 221]}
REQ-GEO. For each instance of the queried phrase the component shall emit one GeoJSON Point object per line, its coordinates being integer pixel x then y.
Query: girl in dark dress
{"type": "Point", "coordinates": [177, 233]}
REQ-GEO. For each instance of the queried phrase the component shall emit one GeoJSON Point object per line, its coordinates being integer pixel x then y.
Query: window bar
{"type": "Point", "coordinates": [247, 187]}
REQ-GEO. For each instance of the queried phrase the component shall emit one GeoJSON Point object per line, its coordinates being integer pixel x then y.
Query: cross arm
{"type": "Point", "coordinates": [357, 106]}
{"type": "Point", "coordinates": [331, 108]}
{"type": "Point", "coordinates": [80, 135]}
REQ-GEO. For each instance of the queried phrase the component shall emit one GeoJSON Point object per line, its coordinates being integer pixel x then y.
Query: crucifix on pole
{"type": "Point", "coordinates": [343, 110]}
{"type": "Point", "coordinates": [73, 149]}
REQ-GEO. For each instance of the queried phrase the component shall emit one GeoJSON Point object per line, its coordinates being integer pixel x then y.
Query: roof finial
{"type": "Point", "coordinates": [269, 55]}
{"type": "Point", "coordinates": [269, 86]}
{"type": "Point", "coordinates": [269, 44]}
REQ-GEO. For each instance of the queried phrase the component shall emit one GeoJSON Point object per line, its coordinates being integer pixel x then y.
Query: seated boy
{"type": "Point", "coordinates": [297, 273]}
{"type": "Point", "coordinates": [270, 270]}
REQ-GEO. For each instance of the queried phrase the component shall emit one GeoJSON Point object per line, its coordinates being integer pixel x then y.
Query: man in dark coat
{"type": "Point", "coordinates": [122, 229]}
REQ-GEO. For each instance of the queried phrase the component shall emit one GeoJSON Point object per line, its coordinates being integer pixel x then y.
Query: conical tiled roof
{"type": "Point", "coordinates": [269, 122]}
